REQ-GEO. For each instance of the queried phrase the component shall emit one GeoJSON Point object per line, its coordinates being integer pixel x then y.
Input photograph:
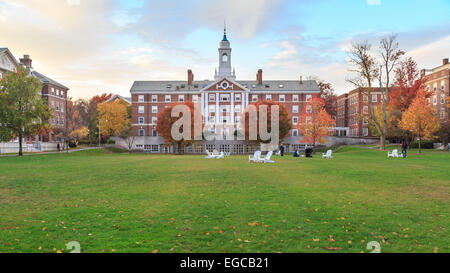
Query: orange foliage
{"type": "Point", "coordinates": [420, 119]}
{"type": "Point", "coordinates": [285, 123]}
{"type": "Point", "coordinates": [315, 123]}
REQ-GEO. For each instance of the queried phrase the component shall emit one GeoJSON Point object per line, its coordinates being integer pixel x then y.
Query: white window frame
{"type": "Point", "coordinates": [141, 98]}
{"type": "Point", "coordinates": [237, 109]}
{"type": "Point", "coordinates": [154, 120]}
{"type": "Point", "coordinates": [180, 98]}
{"type": "Point", "coordinates": [295, 120]}
{"type": "Point", "coordinates": [154, 98]}
{"type": "Point", "coordinates": [154, 109]}
{"type": "Point", "coordinates": [141, 109]}
{"type": "Point", "coordinates": [295, 98]}
{"type": "Point", "coordinates": [295, 109]}
{"type": "Point", "coordinates": [237, 97]}
{"type": "Point", "coordinates": [295, 132]}
{"type": "Point", "coordinates": [268, 97]}
{"type": "Point", "coordinates": [224, 97]}
{"type": "Point", "coordinates": [141, 120]}
{"type": "Point", "coordinates": [282, 98]}
{"type": "Point", "coordinates": [308, 97]}
{"type": "Point", "coordinates": [374, 98]}
{"type": "Point", "coordinates": [211, 97]}
{"type": "Point", "coordinates": [141, 132]}
{"type": "Point", "coordinates": [168, 98]}
{"type": "Point", "coordinates": [254, 98]}
{"type": "Point", "coordinates": [195, 98]}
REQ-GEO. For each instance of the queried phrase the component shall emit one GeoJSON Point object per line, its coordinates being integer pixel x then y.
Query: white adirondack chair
{"type": "Point", "coordinates": [256, 157]}
{"type": "Point", "coordinates": [221, 155]}
{"type": "Point", "coordinates": [394, 154]}
{"type": "Point", "coordinates": [278, 153]}
{"type": "Point", "coordinates": [329, 154]}
{"type": "Point", "coordinates": [267, 158]}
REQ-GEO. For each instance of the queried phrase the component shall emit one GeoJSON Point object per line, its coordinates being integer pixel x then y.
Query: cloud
{"type": "Point", "coordinates": [374, 2]}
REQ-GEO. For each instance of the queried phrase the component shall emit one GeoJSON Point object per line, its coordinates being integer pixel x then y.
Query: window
{"type": "Point", "coordinates": [365, 109]}
{"type": "Point", "coordinates": [237, 108]}
{"type": "Point", "coordinates": [141, 110]}
{"type": "Point", "coordinates": [212, 97]}
{"type": "Point", "coordinates": [295, 120]}
{"type": "Point", "coordinates": [225, 58]}
{"type": "Point", "coordinates": [308, 97]}
{"type": "Point", "coordinates": [434, 100]}
{"type": "Point", "coordinates": [365, 131]}
{"type": "Point", "coordinates": [154, 109]}
{"type": "Point", "coordinates": [238, 97]}
{"type": "Point", "coordinates": [141, 120]}
{"type": "Point", "coordinates": [281, 85]}
{"type": "Point", "coordinates": [154, 133]}
{"type": "Point", "coordinates": [53, 91]}
{"type": "Point", "coordinates": [295, 132]}
{"type": "Point", "coordinates": [141, 132]}
{"type": "Point", "coordinates": [141, 98]}
{"type": "Point", "coordinates": [224, 109]}
{"type": "Point", "coordinates": [442, 114]}
{"type": "Point", "coordinates": [374, 98]}
{"type": "Point", "coordinates": [57, 106]}
{"type": "Point", "coordinates": [237, 119]}
{"type": "Point", "coordinates": [224, 97]}
{"type": "Point", "coordinates": [212, 119]}
{"type": "Point", "coordinates": [154, 120]}
{"type": "Point", "coordinates": [442, 99]}
{"type": "Point", "coordinates": [268, 97]}
{"type": "Point", "coordinates": [62, 94]}
{"type": "Point", "coordinates": [62, 108]}
{"type": "Point", "coordinates": [168, 98]}
{"type": "Point", "coordinates": [365, 98]}
{"type": "Point", "coordinates": [295, 109]}
{"type": "Point", "coordinates": [57, 92]}
{"type": "Point", "coordinates": [212, 109]}
{"type": "Point", "coordinates": [282, 98]}
{"type": "Point", "coordinates": [295, 98]}
{"type": "Point", "coordinates": [254, 98]}
{"type": "Point", "coordinates": [195, 98]}
{"type": "Point", "coordinates": [181, 98]}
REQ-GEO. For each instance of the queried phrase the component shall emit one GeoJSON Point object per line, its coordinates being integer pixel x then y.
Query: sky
{"type": "Point", "coordinates": [98, 46]}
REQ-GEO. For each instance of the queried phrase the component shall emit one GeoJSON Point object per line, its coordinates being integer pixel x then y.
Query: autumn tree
{"type": "Point", "coordinates": [166, 122]}
{"type": "Point", "coordinates": [251, 118]}
{"type": "Point", "coordinates": [329, 97]}
{"type": "Point", "coordinates": [79, 134]}
{"type": "Point", "coordinates": [420, 119]}
{"type": "Point", "coordinates": [369, 71]}
{"type": "Point", "coordinates": [114, 118]}
{"type": "Point", "coordinates": [408, 83]}
{"type": "Point", "coordinates": [22, 110]}
{"type": "Point", "coordinates": [315, 123]}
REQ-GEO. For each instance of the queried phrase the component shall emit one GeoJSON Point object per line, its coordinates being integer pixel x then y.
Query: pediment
{"type": "Point", "coordinates": [7, 62]}
{"type": "Point", "coordinates": [225, 85]}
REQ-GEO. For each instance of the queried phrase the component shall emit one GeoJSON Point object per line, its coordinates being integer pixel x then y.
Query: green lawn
{"type": "Point", "coordinates": [153, 203]}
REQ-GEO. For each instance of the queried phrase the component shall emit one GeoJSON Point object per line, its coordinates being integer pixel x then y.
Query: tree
{"type": "Point", "coordinates": [329, 97]}
{"type": "Point", "coordinates": [420, 119]}
{"type": "Point", "coordinates": [166, 122]}
{"type": "Point", "coordinates": [22, 110]}
{"type": "Point", "coordinates": [408, 83]}
{"type": "Point", "coordinates": [79, 134]}
{"type": "Point", "coordinates": [113, 117]}
{"type": "Point", "coordinates": [366, 67]}
{"type": "Point", "coordinates": [285, 123]}
{"type": "Point", "coordinates": [315, 123]}
{"type": "Point", "coordinates": [128, 136]}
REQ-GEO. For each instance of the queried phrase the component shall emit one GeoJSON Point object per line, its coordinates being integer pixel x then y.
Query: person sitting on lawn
{"type": "Point", "coordinates": [296, 154]}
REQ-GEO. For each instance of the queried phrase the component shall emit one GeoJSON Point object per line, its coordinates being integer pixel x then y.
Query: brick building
{"type": "Point", "coordinates": [438, 82]}
{"type": "Point", "coordinates": [53, 92]}
{"type": "Point", "coordinates": [353, 112]}
{"type": "Point", "coordinates": [222, 101]}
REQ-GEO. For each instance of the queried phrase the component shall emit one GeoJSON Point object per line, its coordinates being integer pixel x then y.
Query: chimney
{"type": "Point", "coordinates": [259, 76]}
{"type": "Point", "coordinates": [190, 77]}
{"type": "Point", "coordinates": [301, 79]}
{"type": "Point", "coordinates": [445, 61]}
{"type": "Point", "coordinates": [26, 61]}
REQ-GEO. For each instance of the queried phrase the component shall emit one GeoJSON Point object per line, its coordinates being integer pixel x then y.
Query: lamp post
{"type": "Point", "coordinates": [99, 134]}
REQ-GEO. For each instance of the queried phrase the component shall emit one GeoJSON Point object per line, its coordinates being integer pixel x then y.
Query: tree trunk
{"type": "Point", "coordinates": [420, 148]}
{"type": "Point", "coordinates": [382, 143]}
{"type": "Point", "coordinates": [20, 145]}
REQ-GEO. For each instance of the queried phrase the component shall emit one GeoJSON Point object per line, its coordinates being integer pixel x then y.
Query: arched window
{"type": "Point", "coordinates": [225, 58]}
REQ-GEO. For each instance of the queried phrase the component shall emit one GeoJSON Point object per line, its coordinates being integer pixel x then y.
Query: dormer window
{"type": "Point", "coordinates": [169, 86]}
{"type": "Point", "coordinates": [281, 86]}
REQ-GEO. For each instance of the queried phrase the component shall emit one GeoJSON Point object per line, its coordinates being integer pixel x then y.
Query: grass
{"type": "Point", "coordinates": [153, 203]}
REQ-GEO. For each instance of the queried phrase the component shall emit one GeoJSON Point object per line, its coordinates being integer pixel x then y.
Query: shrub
{"type": "Point", "coordinates": [425, 144]}
{"type": "Point", "coordinates": [111, 141]}
{"type": "Point", "coordinates": [72, 144]}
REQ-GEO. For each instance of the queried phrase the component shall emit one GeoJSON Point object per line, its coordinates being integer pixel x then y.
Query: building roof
{"type": "Point", "coordinates": [115, 97]}
{"type": "Point", "coordinates": [180, 86]}
{"type": "Point", "coordinates": [47, 80]}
